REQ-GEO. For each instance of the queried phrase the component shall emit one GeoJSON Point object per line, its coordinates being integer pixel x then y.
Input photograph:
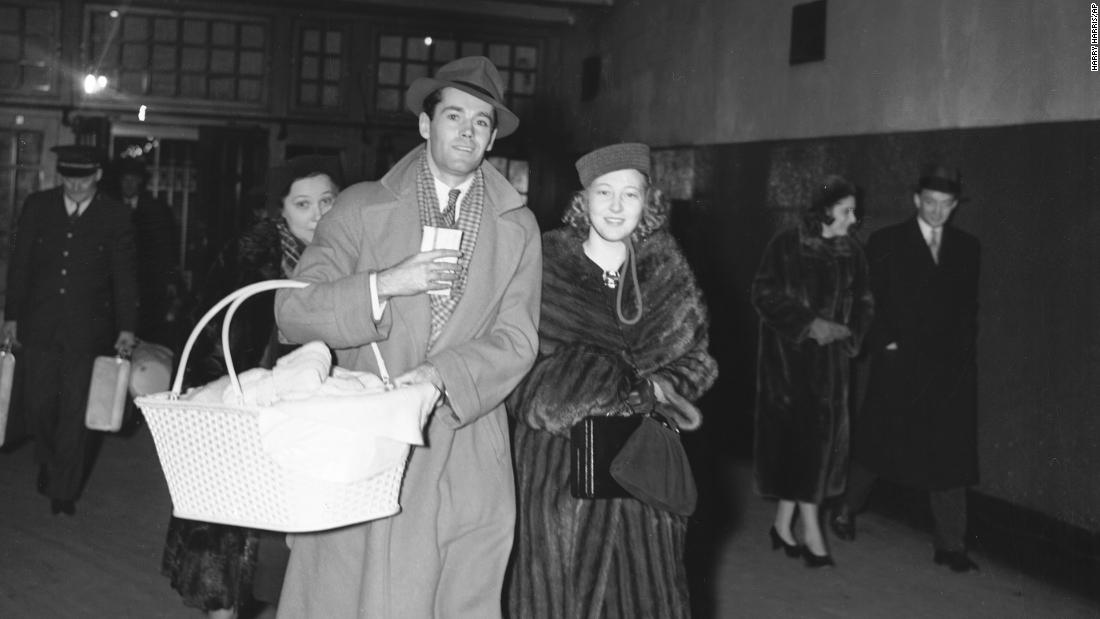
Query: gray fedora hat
{"type": "Point", "coordinates": [474, 75]}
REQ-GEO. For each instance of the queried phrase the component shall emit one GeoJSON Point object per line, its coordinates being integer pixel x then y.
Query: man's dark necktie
{"type": "Point", "coordinates": [449, 212]}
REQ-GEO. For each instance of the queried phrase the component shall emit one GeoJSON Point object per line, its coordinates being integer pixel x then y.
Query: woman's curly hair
{"type": "Point", "coordinates": [654, 213]}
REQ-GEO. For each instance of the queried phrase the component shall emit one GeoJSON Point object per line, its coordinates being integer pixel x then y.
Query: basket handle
{"type": "Point", "coordinates": [237, 297]}
{"type": "Point", "coordinates": [234, 301]}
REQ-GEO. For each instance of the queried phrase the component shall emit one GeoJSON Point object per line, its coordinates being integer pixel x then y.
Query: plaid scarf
{"type": "Point", "coordinates": [469, 222]}
{"type": "Point", "coordinates": [290, 246]}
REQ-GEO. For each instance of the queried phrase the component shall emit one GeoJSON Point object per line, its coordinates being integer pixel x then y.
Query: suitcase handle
{"type": "Point", "coordinates": [234, 301]}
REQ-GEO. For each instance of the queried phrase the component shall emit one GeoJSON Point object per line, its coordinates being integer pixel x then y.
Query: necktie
{"type": "Point", "coordinates": [449, 212]}
{"type": "Point", "coordinates": [934, 244]}
{"type": "Point", "coordinates": [75, 214]}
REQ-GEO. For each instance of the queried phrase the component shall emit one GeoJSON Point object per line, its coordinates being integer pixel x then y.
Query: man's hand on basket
{"type": "Point", "coordinates": [419, 273]}
{"type": "Point", "coordinates": [423, 373]}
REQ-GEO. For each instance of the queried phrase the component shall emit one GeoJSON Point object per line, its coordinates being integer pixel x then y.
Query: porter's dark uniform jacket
{"type": "Point", "coordinates": [72, 285]}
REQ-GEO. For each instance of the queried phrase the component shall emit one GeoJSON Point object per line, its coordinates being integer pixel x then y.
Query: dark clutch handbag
{"type": "Point", "coordinates": [596, 441]}
{"type": "Point", "coordinates": [653, 467]}
{"type": "Point", "coordinates": [639, 456]}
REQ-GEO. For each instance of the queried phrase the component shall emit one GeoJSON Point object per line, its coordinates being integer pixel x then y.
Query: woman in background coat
{"type": "Point", "coordinates": [811, 292]}
{"type": "Point", "coordinates": [220, 568]}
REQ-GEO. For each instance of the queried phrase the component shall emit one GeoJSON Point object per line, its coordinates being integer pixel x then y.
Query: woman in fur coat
{"type": "Point", "coordinates": [219, 568]}
{"type": "Point", "coordinates": [621, 317]}
{"type": "Point", "coordinates": [814, 304]}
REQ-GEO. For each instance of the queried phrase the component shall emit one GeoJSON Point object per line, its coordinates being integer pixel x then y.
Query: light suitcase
{"type": "Point", "coordinates": [7, 380]}
{"type": "Point", "coordinates": [107, 394]}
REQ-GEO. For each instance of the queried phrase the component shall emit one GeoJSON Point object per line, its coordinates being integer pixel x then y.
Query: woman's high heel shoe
{"type": "Point", "coordinates": [792, 550]}
{"type": "Point", "coordinates": [815, 561]}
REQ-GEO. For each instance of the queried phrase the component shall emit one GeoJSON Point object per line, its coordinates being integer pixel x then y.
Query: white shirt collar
{"type": "Point", "coordinates": [442, 192]}
{"type": "Point", "coordinates": [926, 230]}
{"type": "Point", "coordinates": [72, 205]}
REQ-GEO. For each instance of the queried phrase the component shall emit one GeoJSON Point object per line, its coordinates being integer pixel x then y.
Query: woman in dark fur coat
{"type": "Point", "coordinates": [219, 568]}
{"type": "Point", "coordinates": [815, 306]}
{"type": "Point", "coordinates": [620, 309]}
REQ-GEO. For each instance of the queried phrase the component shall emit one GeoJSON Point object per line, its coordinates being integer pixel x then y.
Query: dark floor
{"type": "Point", "coordinates": [104, 561]}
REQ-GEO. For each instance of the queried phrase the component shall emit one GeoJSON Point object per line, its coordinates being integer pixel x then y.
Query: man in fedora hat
{"type": "Point", "coordinates": [72, 295]}
{"type": "Point", "coordinates": [445, 554]}
{"type": "Point", "coordinates": [156, 241]}
{"type": "Point", "coordinates": [918, 423]}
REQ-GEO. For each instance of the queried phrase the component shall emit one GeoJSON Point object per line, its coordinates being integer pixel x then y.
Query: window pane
{"type": "Point", "coordinates": [135, 28]}
{"type": "Point", "coordinates": [308, 93]}
{"type": "Point", "coordinates": [310, 67]}
{"type": "Point", "coordinates": [135, 56]}
{"type": "Point", "coordinates": [164, 57]}
{"type": "Point", "coordinates": [223, 88]}
{"type": "Point", "coordinates": [252, 36]}
{"type": "Point", "coordinates": [389, 47]}
{"type": "Point", "coordinates": [250, 90]}
{"type": "Point", "coordinates": [194, 31]}
{"type": "Point", "coordinates": [332, 69]}
{"type": "Point", "coordinates": [444, 50]}
{"type": "Point", "coordinates": [415, 71]}
{"type": "Point", "coordinates": [252, 63]}
{"type": "Point", "coordinates": [333, 42]}
{"type": "Point", "coordinates": [194, 59]}
{"type": "Point", "coordinates": [389, 99]}
{"type": "Point", "coordinates": [36, 48]}
{"type": "Point", "coordinates": [389, 73]}
{"type": "Point", "coordinates": [9, 47]}
{"type": "Point", "coordinates": [223, 33]}
{"type": "Point", "coordinates": [330, 96]}
{"type": "Point", "coordinates": [9, 19]}
{"type": "Point", "coordinates": [165, 29]}
{"type": "Point", "coordinates": [415, 49]}
{"type": "Point", "coordinates": [36, 78]}
{"type": "Point", "coordinates": [223, 61]}
{"type": "Point", "coordinates": [499, 55]}
{"type": "Point", "coordinates": [526, 57]}
{"type": "Point", "coordinates": [523, 83]}
{"type": "Point", "coordinates": [40, 21]}
{"type": "Point", "coordinates": [163, 84]}
{"type": "Point", "coordinates": [193, 86]}
{"type": "Point", "coordinates": [9, 76]}
{"type": "Point", "coordinates": [132, 82]}
{"type": "Point", "coordinates": [311, 40]}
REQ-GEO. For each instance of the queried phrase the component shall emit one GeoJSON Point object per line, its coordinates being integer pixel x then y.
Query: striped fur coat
{"type": "Point", "coordinates": [617, 557]}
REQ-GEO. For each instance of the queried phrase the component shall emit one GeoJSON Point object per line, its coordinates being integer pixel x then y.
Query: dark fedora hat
{"type": "Point", "coordinates": [132, 166]}
{"type": "Point", "coordinates": [474, 75]}
{"type": "Point", "coordinates": [281, 177]}
{"type": "Point", "coordinates": [938, 177]}
{"type": "Point", "coordinates": [77, 160]}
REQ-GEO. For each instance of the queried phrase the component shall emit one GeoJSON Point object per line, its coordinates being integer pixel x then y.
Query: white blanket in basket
{"type": "Point", "coordinates": [330, 423]}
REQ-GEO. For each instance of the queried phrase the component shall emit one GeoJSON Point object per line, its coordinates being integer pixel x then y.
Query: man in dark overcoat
{"type": "Point", "coordinates": [72, 295]}
{"type": "Point", "coordinates": [918, 424]}
{"type": "Point", "coordinates": [156, 244]}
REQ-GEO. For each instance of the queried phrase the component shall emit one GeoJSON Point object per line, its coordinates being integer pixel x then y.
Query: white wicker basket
{"type": "Point", "coordinates": [217, 470]}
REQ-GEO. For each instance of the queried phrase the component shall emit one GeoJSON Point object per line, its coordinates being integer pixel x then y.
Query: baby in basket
{"type": "Point", "coordinates": [324, 421]}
